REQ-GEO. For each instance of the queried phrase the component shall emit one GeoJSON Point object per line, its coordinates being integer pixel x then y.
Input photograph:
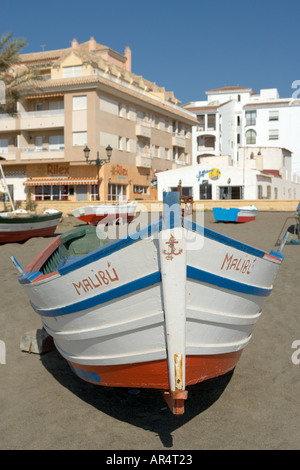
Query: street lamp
{"type": "Point", "coordinates": [99, 162]}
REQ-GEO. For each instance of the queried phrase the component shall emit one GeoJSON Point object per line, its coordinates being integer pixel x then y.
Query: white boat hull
{"type": "Point", "coordinates": [106, 213]}
{"type": "Point", "coordinates": [154, 311]}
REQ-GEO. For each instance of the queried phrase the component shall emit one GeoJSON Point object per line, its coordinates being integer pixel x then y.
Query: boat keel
{"type": "Point", "coordinates": [175, 400]}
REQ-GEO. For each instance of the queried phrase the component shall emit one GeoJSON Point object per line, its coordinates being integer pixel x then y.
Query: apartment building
{"type": "Point", "coordinates": [235, 117]}
{"type": "Point", "coordinates": [88, 95]}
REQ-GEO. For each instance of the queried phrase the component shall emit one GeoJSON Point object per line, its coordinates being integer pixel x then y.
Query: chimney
{"type": "Point", "coordinates": [92, 44]}
{"type": "Point", "coordinates": [74, 43]}
{"type": "Point", "coordinates": [127, 55]}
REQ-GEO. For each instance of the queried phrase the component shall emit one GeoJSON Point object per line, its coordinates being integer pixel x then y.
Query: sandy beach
{"type": "Point", "coordinates": [43, 405]}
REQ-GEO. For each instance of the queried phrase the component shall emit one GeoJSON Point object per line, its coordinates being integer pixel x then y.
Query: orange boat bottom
{"type": "Point", "coordinates": [155, 375]}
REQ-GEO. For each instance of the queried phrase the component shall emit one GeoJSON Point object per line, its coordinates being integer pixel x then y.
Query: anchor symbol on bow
{"type": "Point", "coordinates": [172, 249]}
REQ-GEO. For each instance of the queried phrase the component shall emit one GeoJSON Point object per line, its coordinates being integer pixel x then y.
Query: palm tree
{"type": "Point", "coordinates": [13, 75]}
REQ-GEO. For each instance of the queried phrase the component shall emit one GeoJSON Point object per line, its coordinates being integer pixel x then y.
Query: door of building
{"type": "Point", "coordinates": [81, 192]}
{"type": "Point", "coordinates": [205, 191]}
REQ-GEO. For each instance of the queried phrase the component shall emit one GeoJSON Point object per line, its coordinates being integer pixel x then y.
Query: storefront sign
{"type": "Point", "coordinates": [57, 170]}
{"type": "Point", "coordinates": [213, 174]}
{"type": "Point", "coordinates": [119, 171]}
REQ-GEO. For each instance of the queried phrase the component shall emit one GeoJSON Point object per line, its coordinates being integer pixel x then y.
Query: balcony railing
{"type": "Point", "coordinates": [42, 119]}
{"type": "Point", "coordinates": [143, 160]}
{"type": "Point", "coordinates": [45, 152]}
{"type": "Point", "coordinates": [178, 140]}
{"type": "Point", "coordinates": [143, 128]}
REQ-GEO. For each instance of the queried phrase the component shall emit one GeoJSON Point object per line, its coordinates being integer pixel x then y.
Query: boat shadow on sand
{"type": "Point", "coordinates": [144, 408]}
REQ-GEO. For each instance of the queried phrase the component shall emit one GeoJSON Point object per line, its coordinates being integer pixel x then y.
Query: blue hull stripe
{"type": "Point", "coordinates": [209, 278]}
{"type": "Point", "coordinates": [112, 294]}
{"type": "Point", "coordinates": [151, 229]}
{"type": "Point", "coordinates": [150, 280]}
{"type": "Point", "coordinates": [218, 237]}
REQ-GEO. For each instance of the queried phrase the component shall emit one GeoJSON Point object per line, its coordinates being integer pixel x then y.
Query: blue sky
{"type": "Point", "coordinates": [186, 46]}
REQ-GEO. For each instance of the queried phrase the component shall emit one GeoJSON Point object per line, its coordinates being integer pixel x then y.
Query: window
{"type": "Point", "coordinates": [273, 116]}
{"type": "Point", "coordinates": [74, 71]}
{"type": "Point", "coordinates": [94, 192]}
{"type": "Point", "coordinates": [53, 105]}
{"type": "Point", "coordinates": [38, 107]}
{"type": "Point", "coordinates": [273, 134]}
{"type": "Point", "coordinates": [79, 102]}
{"type": "Point", "coordinates": [117, 192]}
{"type": "Point", "coordinates": [140, 189]}
{"type": "Point", "coordinates": [250, 118]}
{"type": "Point", "coordinates": [53, 193]}
{"type": "Point", "coordinates": [260, 191]}
{"type": "Point", "coordinates": [56, 142]}
{"type": "Point", "coordinates": [39, 141]}
{"type": "Point", "coordinates": [4, 145]}
{"type": "Point", "coordinates": [79, 138]}
{"type": "Point", "coordinates": [250, 137]}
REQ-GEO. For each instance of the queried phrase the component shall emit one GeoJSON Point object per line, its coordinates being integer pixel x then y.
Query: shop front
{"type": "Point", "coordinates": [61, 182]}
{"type": "Point", "coordinates": [67, 182]}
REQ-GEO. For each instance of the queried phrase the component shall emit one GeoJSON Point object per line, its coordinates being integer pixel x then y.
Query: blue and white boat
{"type": "Point", "coordinates": [164, 307]}
{"type": "Point", "coordinates": [235, 214]}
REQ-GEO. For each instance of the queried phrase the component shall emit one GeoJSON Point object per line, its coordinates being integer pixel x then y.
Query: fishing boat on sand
{"type": "Point", "coordinates": [106, 213]}
{"type": "Point", "coordinates": [165, 307]}
{"type": "Point", "coordinates": [19, 225]}
{"type": "Point", "coordinates": [235, 214]}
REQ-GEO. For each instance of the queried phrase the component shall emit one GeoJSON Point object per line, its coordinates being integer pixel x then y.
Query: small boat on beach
{"type": "Point", "coordinates": [235, 214]}
{"type": "Point", "coordinates": [106, 213]}
{"type": "Point", "coordinates": [164, 307]}
{"type": "Point", "coordinates": [18, 226]}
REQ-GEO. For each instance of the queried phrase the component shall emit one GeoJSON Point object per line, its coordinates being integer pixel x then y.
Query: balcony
{"type": "Point", "coordinates": [206, 143]}
{"type": "Point", "coordinates": [143, 160]}
{"type": "Point", "coordinates": [42, 153]}
{"type": "Point", "coordinates": [178, 140]}
{"type": "Point", "coordinates": [42, 119]}
{"type": "Point", "coordinates": [177, 162]}
{"type": "Point", "coordinates": [143, 129]}
{"type": "Point", "coordinates": [9, 153]}
{"type": "Point", "coordinates": [7, 123]}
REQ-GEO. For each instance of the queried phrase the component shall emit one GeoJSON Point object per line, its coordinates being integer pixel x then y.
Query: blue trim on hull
{"type": "Point", "coordinates": [150, 280]}
{"type": "Point", "coordinates": [99, 299]}
{"type": "Point", "coordinates": [219, 281]}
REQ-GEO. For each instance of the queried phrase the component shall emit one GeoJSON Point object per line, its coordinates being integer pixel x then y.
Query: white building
{"type": "Point", "coordinates": [234, 117]}
{"type": "Point", "coordinates": [252, 179]}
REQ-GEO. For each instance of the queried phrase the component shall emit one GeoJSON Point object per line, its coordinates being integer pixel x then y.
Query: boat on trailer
{"type": "Point", "coordinates": [235, 214]}
{"type": "Point", "coordinates": [165, 307]}
{"type": "Point", "coordinates": [106, 213]}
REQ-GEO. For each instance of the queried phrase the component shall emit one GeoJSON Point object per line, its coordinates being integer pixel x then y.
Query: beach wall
{"type": "Point", "coordinates": [279, 205]}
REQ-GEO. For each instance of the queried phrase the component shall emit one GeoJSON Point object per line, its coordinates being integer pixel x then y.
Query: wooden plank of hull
{"type": "Point", "coordinates": [105, 214]}
{"type": "Point", "coordinates": [245, 218]}
{"type": "Point", "coordinates": [22, 235]}
{"type": "Point", "coordinates": [94, 219]}
{"type": "Point", "coordinates": [155, 374]}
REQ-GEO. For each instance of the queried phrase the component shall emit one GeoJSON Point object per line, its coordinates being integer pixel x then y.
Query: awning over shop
{"type": "Point", "coordinates": [59, 181]}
